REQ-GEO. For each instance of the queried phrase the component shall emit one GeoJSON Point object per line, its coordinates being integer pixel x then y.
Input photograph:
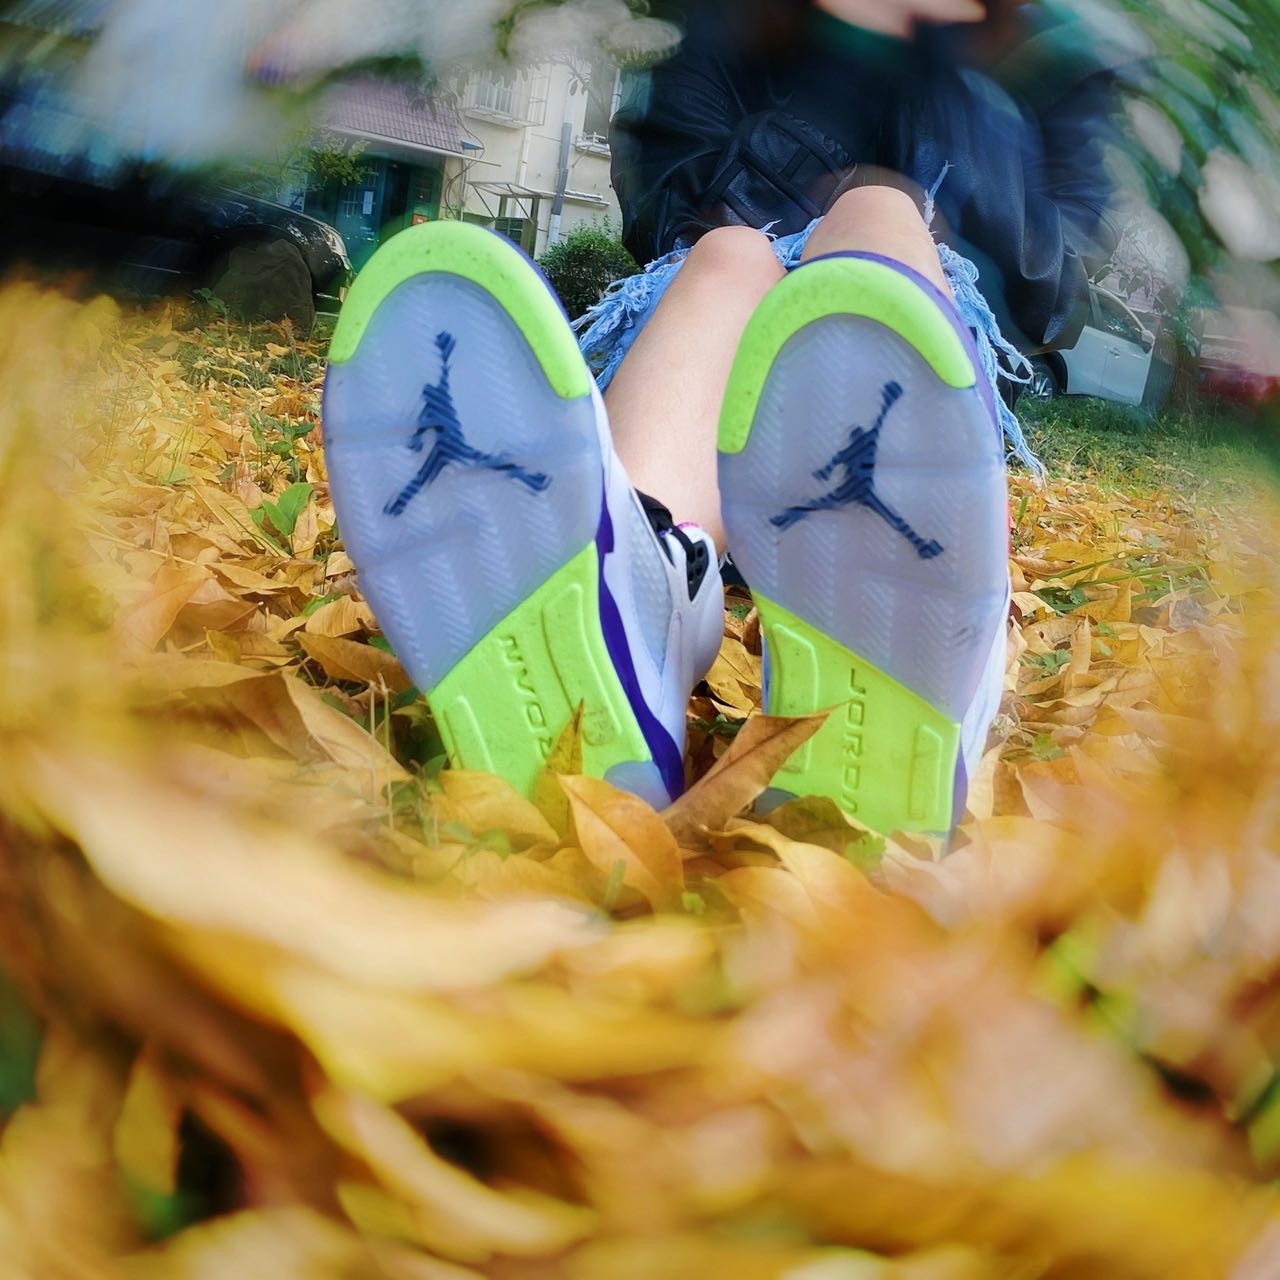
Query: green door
{"type": "Point", "coordinates": [358, 215]}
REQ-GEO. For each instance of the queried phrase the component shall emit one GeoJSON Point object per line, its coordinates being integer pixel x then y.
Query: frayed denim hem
{"type": "Point", "coordinates": [608, 331]}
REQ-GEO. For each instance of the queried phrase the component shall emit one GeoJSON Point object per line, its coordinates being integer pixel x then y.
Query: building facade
{"type": "Point", "coordinates": [406, 146]}
{"type": "Point", "coordinates": [503, 154]}
{"type": "Point", "coordinates": [530, 137]}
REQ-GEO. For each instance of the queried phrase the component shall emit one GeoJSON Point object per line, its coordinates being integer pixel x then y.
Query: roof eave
{"type": "Point", "coordinates": [402, 144]}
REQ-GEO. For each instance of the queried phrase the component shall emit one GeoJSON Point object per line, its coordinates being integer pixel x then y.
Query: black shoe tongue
{"type": "Point", "coordinates": [697, 559]}
{"type": "Point", "coordinates": [659, 515]}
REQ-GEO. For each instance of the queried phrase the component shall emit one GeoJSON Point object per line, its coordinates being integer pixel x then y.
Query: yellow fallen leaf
{"type": "Point", "coordinates": [146, 1133]}
{"type": "Point", "coordinates": [220, 871]}
{"type": "Point", "coordinates": [728, 690]}
{"type": "Point", "coordinates": [565, 760]}
{"type": "Point", "coordinates": [490, 876]}
{"type": "Point", "coordinates": [1081, 656]}
{"type": "Point", "coordinates": [337, 564]}
{"type": "Point", "coordinates": [306, 529]}
{"type": "Point", "coordinates": [164, 676]}
{"type": "Point", "coordinates": [245, 579]}
{"type": "Point", "coordinates": [616, 829]}
{"type": "Point", "coordinates": [484, 803]}
{"type": "Point", "coordinates": [394, 1045]}
{"type": "Point", "coordinates": [381, 1217]}
{"type": "Point", "coordinates": [451, 1212]}
{"type": "Point", "coordinates": [258, 1244]}
{"type": "Point", "coordinates": [761, 748]}
{"type": "Point", "coordinates": [347, 660]}
{"type": "Point", "coordinates": [761, 892]}
{"type": "Point", "coordinates": [232, 514]}
{"type": "Point", "coordinates": [735, 677]}
{"type": "Point", "coordinates": [223, 647]}
{"type": "Point", "coordinates": [341, 617]}
{"type": "Point", "coordinates": [340, 738]}
{"type": "Point", "coordinates": [146, 622]}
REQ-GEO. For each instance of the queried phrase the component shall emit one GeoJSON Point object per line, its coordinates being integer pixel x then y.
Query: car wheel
{"type": "Point", "coordinates": [266, 280]}
{"type": "Point", "coordinates": [1044, 382]}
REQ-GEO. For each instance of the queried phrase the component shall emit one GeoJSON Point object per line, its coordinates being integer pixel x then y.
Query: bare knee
{"type": "Point", "coordinates": [734, 255]}
{"type": "Point", "coordinates": [880, 207]}
{"type": "Point", "coordinates": [883, 220]}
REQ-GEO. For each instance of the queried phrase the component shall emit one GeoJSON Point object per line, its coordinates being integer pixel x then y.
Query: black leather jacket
{"type": "Point", "coordinates": [723, 132]}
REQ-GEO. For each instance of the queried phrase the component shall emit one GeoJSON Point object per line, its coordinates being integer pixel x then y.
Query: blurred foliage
{"type": "Point", "coordinates": [589, 259]}
{"type": "Point", "coordinates": [19, 1050]}
{"type": "Point", "coordinates": [1211, 76]}
{"type": "Point", "coordinates": [327, 158]}
{"type": "Point", "coordinates": [332, 159]}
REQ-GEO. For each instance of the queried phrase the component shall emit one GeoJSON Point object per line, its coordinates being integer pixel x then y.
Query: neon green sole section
{"type": "Point", "coordinates": [502, 708]}
{"type": "Point", "coordinates": [475, 254]}
{"type": "Point", "coordinates": [836, 286]}
{"type": "Point", "coordinates": [884, 755]}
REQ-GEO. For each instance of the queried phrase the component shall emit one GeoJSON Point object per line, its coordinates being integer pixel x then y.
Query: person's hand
{"type": "Point", "coordinates": [899, 17]}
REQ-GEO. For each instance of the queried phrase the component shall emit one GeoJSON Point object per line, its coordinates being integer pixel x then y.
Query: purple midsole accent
{"type": "Point", "coordinates": [666, 754]}
{"type": "Point", "coordinates": [948, 309]}
{"type": "Point", "coordinates": [960, 794]}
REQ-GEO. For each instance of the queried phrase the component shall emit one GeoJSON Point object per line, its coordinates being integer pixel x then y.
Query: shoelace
{"type": "Point", "coordinates": [696, 557]}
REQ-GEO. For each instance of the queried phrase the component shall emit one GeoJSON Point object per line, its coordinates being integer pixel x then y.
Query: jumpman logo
{"type": "Point", "coordinates": [858, 459]}
{"type": "Point", "coordinates": [438, 416]}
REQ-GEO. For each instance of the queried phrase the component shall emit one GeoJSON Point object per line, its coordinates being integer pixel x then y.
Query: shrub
{"type": "Point", "coordinates": [585, 263]}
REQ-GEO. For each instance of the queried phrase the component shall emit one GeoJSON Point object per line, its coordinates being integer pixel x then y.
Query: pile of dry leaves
{"type": "Point", "coordinates": [313, 1007]}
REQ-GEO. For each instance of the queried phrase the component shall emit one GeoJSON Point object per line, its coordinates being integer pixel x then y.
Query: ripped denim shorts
{"type": "Point", "coordinates": [606, 332]}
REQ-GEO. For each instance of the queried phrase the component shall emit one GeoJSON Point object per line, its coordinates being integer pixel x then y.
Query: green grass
{"type": "Point", "coordinates": [1207, 446]}
{"type": "Point", "coordinates": [322, 330]}
{"type": "Point", "coordinates": [1199, 446]}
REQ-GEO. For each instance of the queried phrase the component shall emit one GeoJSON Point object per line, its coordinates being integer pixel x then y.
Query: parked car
{"type": "Point", "coordinates": [157, 234]}
{"type": "Point", "coordinates": [1239, 355]}
{"type": "Point", "coordinates": [1117, 357]}
{"type": "Point", "coordinates": [147, 229]}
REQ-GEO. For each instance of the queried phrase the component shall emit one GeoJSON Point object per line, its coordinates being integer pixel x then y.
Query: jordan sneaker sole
{"type": "Point", "coordinates": [865, 502]}
{"type": "Point", "coordinates": [466, 448]}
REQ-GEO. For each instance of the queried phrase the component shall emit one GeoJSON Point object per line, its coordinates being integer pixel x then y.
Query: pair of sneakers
{"type": "Point", "coordinates": [519, 575]}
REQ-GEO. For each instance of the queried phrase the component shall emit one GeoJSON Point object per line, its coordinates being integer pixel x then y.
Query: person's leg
{"type": "Point", "coordinates": [878, 220]}
{"type": "Point", "coordinates": [664, 402]}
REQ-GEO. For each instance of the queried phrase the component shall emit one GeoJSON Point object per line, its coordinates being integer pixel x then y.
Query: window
{"type": "Point", "coordinates": [424, 187]}
{"type": "Point", "coordinates": [488, 93]}
{"type": "Point", "coordinates": [512, 228]}
{"type": "Point", "coordinates": [1116, 321]}
{"type": "Point", "coordinates": [539, 87]}
{"type": "Point", "coordinates": [522, 99]}
{"type": "Point", "coordinates": [521, 230]}
{"type": "Point", "coordinates": [518, 220]}
{"type": "Point", "coordinates": [603, 94]}
{"type": "Point", "coordinates": [352, 204]}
